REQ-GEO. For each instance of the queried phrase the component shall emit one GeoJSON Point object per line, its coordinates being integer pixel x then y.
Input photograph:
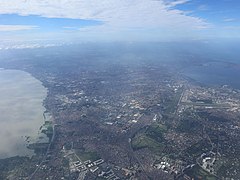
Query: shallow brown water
{"type": "Point", "coordinates": [21, 111]}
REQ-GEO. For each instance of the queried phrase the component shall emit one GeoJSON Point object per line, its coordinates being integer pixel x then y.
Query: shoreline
{"type": "Point", "coordinates": [29, 138]}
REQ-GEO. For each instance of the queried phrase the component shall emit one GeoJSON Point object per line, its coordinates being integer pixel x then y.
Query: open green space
{"type": "Point", "coordinates": [143, 141]}
{"type": "Point", "coordinates": [84, 155]}
{"type": "Point", "coordinates": [156, 131]}
{"type": "Point", "coordinates": [152, 138]}
{"type": "Point", "coordinates": [198, 173]}
{"type": "Point", "coordinates": [170, 104]}
{"type": "Point", "coordinates": [47, 128]}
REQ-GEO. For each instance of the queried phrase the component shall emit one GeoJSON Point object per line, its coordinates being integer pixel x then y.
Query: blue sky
{"type": "Point", "coordinates": [215, 11]}
{"type": "Point", "coordinates": [144, 20]}
{"type": "Point", "coordinates": [44, 23]}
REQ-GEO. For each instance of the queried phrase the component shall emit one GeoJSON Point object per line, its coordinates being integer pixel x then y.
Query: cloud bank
{"type": "Point", "coordinates": [115, 13]}
{"type": "Point", "coordinates": [8, 28]}
{"type": "Point", "coordinates": [116, 16]}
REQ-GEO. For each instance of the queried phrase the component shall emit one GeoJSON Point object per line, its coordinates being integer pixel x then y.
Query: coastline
{"type": "Point", "coordinates": [38, 129]}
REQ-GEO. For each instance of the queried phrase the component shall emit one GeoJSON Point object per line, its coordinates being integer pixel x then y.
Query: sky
{"type": "Point", "coordinates": [118, 20]}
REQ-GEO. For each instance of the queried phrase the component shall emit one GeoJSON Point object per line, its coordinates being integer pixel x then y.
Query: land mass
{"type": "Point", "coordinates": [122, 116]}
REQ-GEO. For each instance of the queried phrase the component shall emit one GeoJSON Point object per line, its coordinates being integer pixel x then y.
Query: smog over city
{"type": "Point", "coordinates": [128, 90]}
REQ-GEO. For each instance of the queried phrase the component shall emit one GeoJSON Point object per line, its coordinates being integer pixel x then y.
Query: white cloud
{"type": "Point", "coordinates": [114, 13]}
{"type": "Point", "coordinates": [178, 2]}
{"type": "Point", "coordinates": [229, 19]}
{"type": "Point", "coordinates": [8, 28]}
{"type": "Point", "coordinates": [117, 16]}
{"type": "Point", "coordinates": [28, 46]}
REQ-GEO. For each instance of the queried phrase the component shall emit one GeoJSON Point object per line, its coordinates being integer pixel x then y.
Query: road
{"type": "Point", "coordinates": [45, 156]}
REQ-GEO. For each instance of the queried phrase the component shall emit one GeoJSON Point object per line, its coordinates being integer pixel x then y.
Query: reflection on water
{"type": "Point", "coordinates": [21, 111]}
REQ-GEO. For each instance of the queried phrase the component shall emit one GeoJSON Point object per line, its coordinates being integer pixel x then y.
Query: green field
{"type": "Point", "coordinates": [84, 156]}
{"type": "Point", "coordinates": [198, 173]}
{"type": "Point", "coordinates": [151, 138]}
